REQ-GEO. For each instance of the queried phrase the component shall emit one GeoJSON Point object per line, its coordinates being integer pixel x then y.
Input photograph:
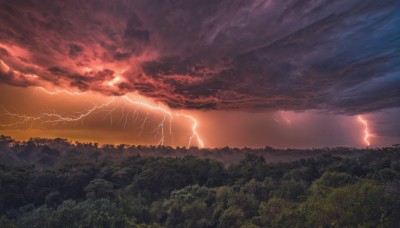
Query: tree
{"type": "Point", "coordinates": [278, 212]}
{"type": "Point", "coordinates": [364, 204]}
{"type": "Point", "coordinates": [232, 217]}
{"type": "Point", "coordinates": [53, 199]}
{"type": "Point", "coordinates": [99, 188]}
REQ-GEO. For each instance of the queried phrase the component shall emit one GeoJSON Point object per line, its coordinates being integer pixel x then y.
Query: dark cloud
{"type": "Point", "coordinates": [341, 56]}
{"type": "Point", "coordinates": [74, 50]}
{"type": "Point", "coordinates": [122, 55]}
{"type": "Point", "coordinates": [385, 123]}
{"type": "Point", "coordinates": [3, 52]}
{"type": "Point", "coordinates": [58, 71]}
{"type": "Point", "coordinates": [13, 79]}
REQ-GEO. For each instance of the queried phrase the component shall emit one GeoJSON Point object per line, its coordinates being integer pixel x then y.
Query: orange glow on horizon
{"type": "Point", "coordinates": [51, 117]}
{"type": "Point", "coordinates": [54, 117]}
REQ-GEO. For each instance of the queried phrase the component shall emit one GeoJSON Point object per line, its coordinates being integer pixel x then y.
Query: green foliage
{"type": "Point", "coordinates": [53, 199]}
{"type": "Point", "coordinates": [260, 189]}
{"type": "Point", "coordinates": [278, 212]}
{"type": "Point", "coordinates": [6, 223]}
{"type": "Point", "coordinates": [99, 213]}
{"type": "Point", "coordinates": [364, 204]}
{"type": "Point", "coordinates": [99, 188]}
{"type": "Point", "coordinates": [188, 207]}
{"type": "Point", "coordinates": [329, 181]}
{"type": "Point", "coordinates": [290, 190]}
{"type": "Point", "coordinates": [231, 217]}
{"type": "Point", "coordinates": [328, 191]}
{"type": "Point", "coordinates": [385, 175]}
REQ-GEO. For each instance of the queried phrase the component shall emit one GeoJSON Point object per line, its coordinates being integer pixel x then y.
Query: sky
{"type": "Point", "coordinates": [295, 73]}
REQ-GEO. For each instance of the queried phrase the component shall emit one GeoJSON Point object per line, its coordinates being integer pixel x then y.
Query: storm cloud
{"type": "Point", "coordinates": [341, 56]}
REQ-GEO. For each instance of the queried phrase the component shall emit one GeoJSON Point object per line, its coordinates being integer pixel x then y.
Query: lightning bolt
{"type": "Point", "coordinates": [60, 91]}
{"type": "Point", "coordinates": [49, 117]}
{"type": "Point", "coordinates": [282, 118]}
{"type": "Point", "coordinates": [52, 117]}
{"type": "Point", "coordinates": [195, 134]}
{"type": "Point", "coordinates": [285, 118]}
{"type": "Point", "coordinates": [367, 135]}
{"type": "Point", "coordinates": [168, 113]}
{"type": "Point", "coordinates": [4, 65]}
{"type": "Point", "coordinates": [143, 123]}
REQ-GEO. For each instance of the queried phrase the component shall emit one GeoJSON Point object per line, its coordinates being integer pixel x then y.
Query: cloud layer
{"type": "Point", "coordinates": [341, 56]}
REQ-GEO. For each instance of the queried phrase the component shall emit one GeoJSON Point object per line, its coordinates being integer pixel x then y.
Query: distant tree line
{"type": "Point", "coordinates": [52, 153]}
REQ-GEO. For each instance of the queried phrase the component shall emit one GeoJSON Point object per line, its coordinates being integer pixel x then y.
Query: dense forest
{"type": "Point", "coordinates": [56, 183]}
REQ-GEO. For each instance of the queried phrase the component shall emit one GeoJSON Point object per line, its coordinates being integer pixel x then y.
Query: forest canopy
{"type": "Point", "coordinates": [331, 188]}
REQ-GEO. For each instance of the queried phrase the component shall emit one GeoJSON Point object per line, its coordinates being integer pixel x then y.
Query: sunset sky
{"type": "Point", "coordinates": [207, 73]}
